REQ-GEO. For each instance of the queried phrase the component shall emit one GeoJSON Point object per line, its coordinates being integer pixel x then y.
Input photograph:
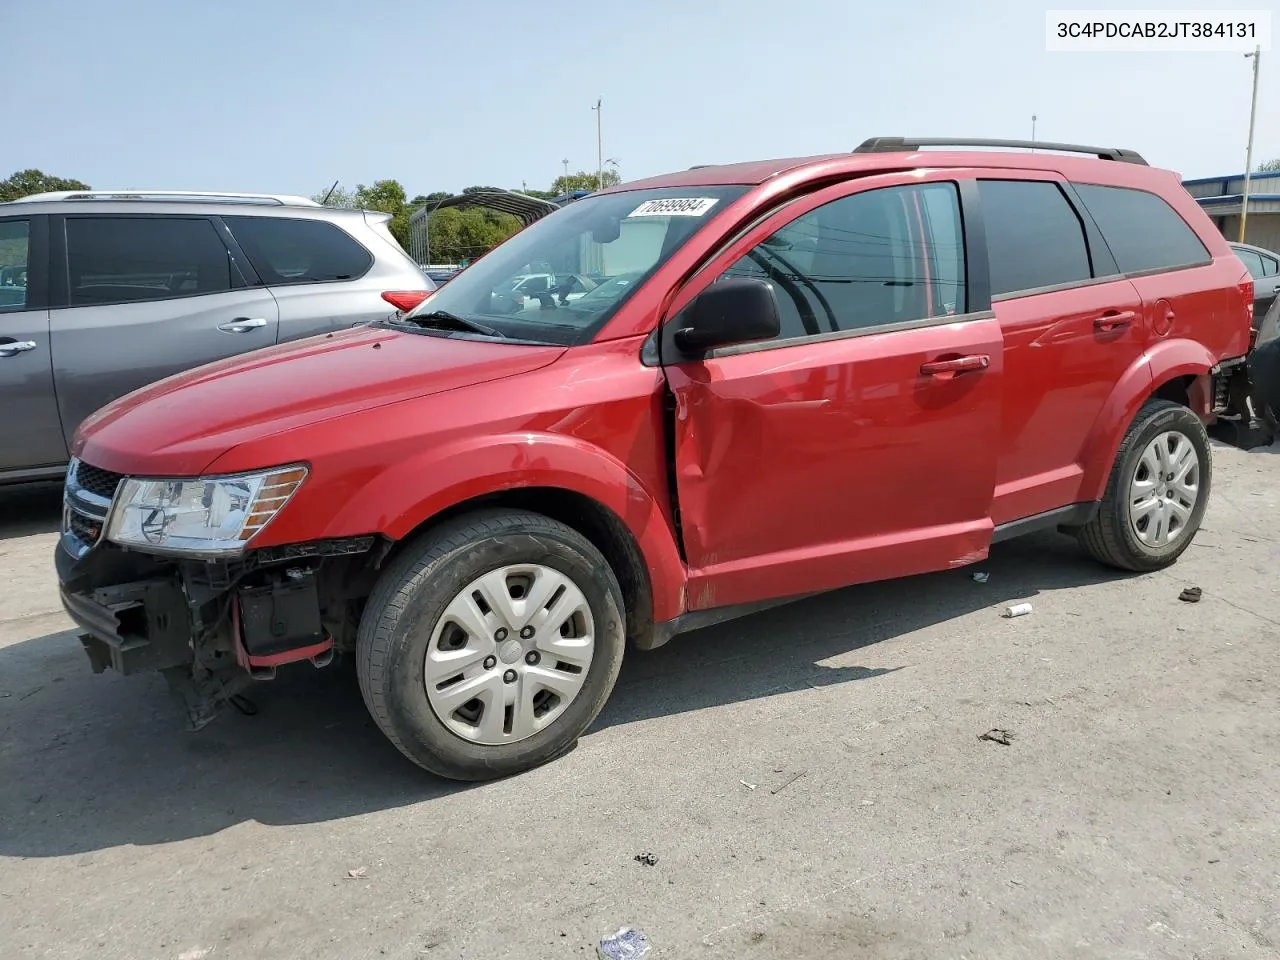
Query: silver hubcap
{"type": "Point", "coordinates": [510, 653]}
{"type": "Point", "coordinates": [1165, 489]}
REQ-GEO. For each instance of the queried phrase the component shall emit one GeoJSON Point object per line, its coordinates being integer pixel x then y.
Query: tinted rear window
{"type": "Point", "coordinates": [1034, 237]}
{"type": "Point", "coordinates": [126, 259]}
{"type": "Point", "coordinates": [1143, 232]}
{"type": "Point", "coordinates": [287, 251]}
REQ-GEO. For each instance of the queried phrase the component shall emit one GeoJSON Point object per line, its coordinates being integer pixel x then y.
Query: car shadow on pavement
{"type": "Point", "coordinates": [30, 509]}
{"type": "Point", "coordinates": [96, 762]}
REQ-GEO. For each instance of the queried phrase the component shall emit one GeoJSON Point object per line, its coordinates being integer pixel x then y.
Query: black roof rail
{"type": "Point", "coordinates": [912, 144]}
{"type": "Point", "coordinates": [701, 166]}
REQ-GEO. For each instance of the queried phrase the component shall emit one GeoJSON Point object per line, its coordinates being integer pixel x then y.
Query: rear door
{"type": "Point", "coordinates": [861, 443]}
{"type": "Point", "coordinates": [1072, 326]}
{"type": "Point", "coordinates": [30, 431]}
{"type": "Point", "coordinates": [142, 297]}
{"type": "Point", "coordinates": [322, 278]}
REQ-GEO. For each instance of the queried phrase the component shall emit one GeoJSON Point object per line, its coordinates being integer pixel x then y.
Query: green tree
{"type": "Point", "coordinates": [387, 196]}
{"type": "Point", "coordinates": [26, 182]}
{"type": "Point", "coordinates": [338, 196]}
{"type": "Point", "coordinates": [467, 233]}
{"type": "Point", "coordinates": [1270, 166]}
{"type": "Point", "coordinates": [583, 181]}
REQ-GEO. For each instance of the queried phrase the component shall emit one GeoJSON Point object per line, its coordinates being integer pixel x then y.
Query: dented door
{"type": "Point", "coordinates": [862, 443]}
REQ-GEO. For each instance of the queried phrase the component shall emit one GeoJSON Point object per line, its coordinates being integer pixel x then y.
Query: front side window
{"type": "Point", "coordinates": [1143, 232]}
{"type": "Point", "coordinates": [15, 243]}
{"type": "Point", "coordinates": [562, 278]}
{"type": "Point", "coordinates": [869, 260]}
{"type": "Point", "coordinates": [287, 251]}
{"type": "Point", "coordinates": [1034, 237]}
{"type": "Point", "coordinates": [128, 259]}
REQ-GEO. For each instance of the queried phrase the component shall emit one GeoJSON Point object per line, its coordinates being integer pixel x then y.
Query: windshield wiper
{"type": "Point", "coordinates": [444, 320]}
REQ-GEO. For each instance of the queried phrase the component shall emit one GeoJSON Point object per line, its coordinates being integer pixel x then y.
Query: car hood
{"type": "Point", "coordinates": [180, 425]}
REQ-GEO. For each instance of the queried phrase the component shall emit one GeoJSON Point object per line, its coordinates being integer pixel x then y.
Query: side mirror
{"type": "Point", "coordinates": [734, 310]}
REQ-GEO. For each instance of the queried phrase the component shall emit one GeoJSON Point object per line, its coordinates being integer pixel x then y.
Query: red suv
{"type": "Point", "coordinates": [788, 376]}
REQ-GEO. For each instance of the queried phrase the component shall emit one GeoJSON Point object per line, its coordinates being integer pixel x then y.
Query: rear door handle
{"type": "Point", "coordinates": [946, 369]}
{"type": "Point", "coordinates": [242, 325]}
{"type": "Point", "coordinates": [1114, 320]}
{"type": "Point", "coordinates": [15, 347]}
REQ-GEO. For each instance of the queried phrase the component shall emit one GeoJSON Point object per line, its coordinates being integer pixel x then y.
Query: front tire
{"type": "Point", "coordinates": [1157, 492]}
{"type": "Point", "coordinates": [488, 647]}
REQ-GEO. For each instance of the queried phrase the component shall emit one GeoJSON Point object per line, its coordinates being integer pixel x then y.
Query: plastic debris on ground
{"type": "Point", "coordinates": [359, 873]}
{"type": "Point", "coordinates": [626, 944]}
{"type": "Point", "coordinates": [1017, 610]}
{"type": "Point", "coordinates": [981, 577]}
{"type": "Point", "coordinates": [1191, 595]}
{"type": "Point", "coordinates": [997, 736]}
{"type": "Point", "coordinates": [648, 859]}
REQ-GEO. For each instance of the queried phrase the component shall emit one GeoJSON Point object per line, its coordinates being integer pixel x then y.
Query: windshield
{"type": "Point", "coordinates": [561, 279]}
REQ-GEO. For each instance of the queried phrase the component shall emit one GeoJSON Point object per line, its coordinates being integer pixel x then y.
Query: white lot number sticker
{"type": "Point", "coordinates": [675, 207]}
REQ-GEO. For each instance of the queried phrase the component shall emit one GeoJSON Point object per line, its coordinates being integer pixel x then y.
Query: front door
{"type": "Point", "coordinates": [861, 443]}
{"type": "Point", "coordinates": [30, 431]}
{"type": "Point", "coordinates": [145, 297]}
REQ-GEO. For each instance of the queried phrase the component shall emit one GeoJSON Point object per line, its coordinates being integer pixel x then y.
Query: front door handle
{"type": "Point", "coordinates": [1114, 320]}
{"type": "Point", "coordinates": [242, 325]}
{"type": "Point", "coordinates": [15, 347]}
{"type": "Point", "coordinates": [946, 369]}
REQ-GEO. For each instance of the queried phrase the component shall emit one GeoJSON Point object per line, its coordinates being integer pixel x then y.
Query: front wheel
{"type": "Point", "coordinates": [489, 647]}
{"type": "Point", "coordinates": [1157, 492]}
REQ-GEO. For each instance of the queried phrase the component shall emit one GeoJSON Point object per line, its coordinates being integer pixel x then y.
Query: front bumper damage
{"type": "Point", "coordinates": [212, 628]}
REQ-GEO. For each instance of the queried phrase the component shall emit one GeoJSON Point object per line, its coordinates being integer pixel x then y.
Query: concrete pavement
{"type": "Point", "coordinates": [1134, 814]}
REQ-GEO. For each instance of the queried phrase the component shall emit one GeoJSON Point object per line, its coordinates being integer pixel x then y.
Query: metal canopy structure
{"type": "Point", "coordinates": [523, 207]}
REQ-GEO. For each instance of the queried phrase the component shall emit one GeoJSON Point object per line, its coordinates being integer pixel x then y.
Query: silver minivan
{"type": "Point", "coordinates": [104, 292]}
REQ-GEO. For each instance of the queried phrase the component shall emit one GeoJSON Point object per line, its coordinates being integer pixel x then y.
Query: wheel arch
{"type": "Point", "coordinates": [575, 483]}
{"type": "Point", "coordinates": [1176, 370]}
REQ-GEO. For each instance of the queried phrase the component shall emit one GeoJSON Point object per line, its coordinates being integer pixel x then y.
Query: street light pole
{"type": "Point", "coordinates": [1248, 155]}
{"type": "Point", "coordinates": [599, 144]}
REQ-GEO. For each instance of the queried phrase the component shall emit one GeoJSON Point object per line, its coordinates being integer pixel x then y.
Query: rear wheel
{"type": "Point", "coordinates": [490, 646]}
{"type": "Point", "coordinates": [1157, 492]}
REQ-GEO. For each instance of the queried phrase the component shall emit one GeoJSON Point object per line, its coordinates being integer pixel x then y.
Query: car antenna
{"type": "Point", "coordinates": [329, 194]}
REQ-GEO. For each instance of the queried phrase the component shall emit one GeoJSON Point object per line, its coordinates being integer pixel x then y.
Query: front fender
{"type": "Point", "coordinates": [398, 500]}
{"type": "Point", "coordinates": [1161, 363]}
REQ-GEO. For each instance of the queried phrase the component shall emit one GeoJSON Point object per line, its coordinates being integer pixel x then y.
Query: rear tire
{"type": "Point", "coordinates": [1157, 492]}
{"type": "Point", "coordinates": [510, 607]}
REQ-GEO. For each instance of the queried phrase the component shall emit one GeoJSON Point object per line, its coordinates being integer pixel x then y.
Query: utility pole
{"type": "Point", "coordinates": [1248, 154]}
{"type": "Point", "coordinates": [1033, 126]}
{"type": "Point", "coordinates": [599, 144]}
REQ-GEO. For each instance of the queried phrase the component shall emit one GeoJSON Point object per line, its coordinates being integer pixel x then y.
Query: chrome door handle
{"type": "Point", "coordinates": [15, 347]}
{"type": "Point", "coordinates": [242, 325]}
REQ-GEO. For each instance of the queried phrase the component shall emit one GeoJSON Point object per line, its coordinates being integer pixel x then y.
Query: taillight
{"type": "Point", "coordinates": [405, 300]}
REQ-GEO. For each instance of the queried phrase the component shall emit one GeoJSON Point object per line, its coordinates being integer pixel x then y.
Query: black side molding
{"type": "Point", "coordinates": [1064, 518]}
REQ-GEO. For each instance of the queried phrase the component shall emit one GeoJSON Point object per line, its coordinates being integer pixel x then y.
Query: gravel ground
{"type": "Point", "coordinates": [810, 782]}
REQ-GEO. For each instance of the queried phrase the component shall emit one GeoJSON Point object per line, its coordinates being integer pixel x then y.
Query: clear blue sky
{"type": "Point", "coordinates": [289, 95]}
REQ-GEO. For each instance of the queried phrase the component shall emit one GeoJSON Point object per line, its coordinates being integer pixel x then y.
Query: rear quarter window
{"type": "Point", "coordinates": [286, 251]}
{"type": "Point", "coordinates": [1142, 230]}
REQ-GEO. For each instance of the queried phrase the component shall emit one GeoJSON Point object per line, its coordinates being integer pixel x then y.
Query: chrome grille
{"type": "Point", "coordinates": [86, 504]}
{"type": "Point", "coordinates": [99, 482]}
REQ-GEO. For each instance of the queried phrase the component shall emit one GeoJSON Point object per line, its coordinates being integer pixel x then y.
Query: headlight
{"type": "Point", "coordinates": [208, 516]}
